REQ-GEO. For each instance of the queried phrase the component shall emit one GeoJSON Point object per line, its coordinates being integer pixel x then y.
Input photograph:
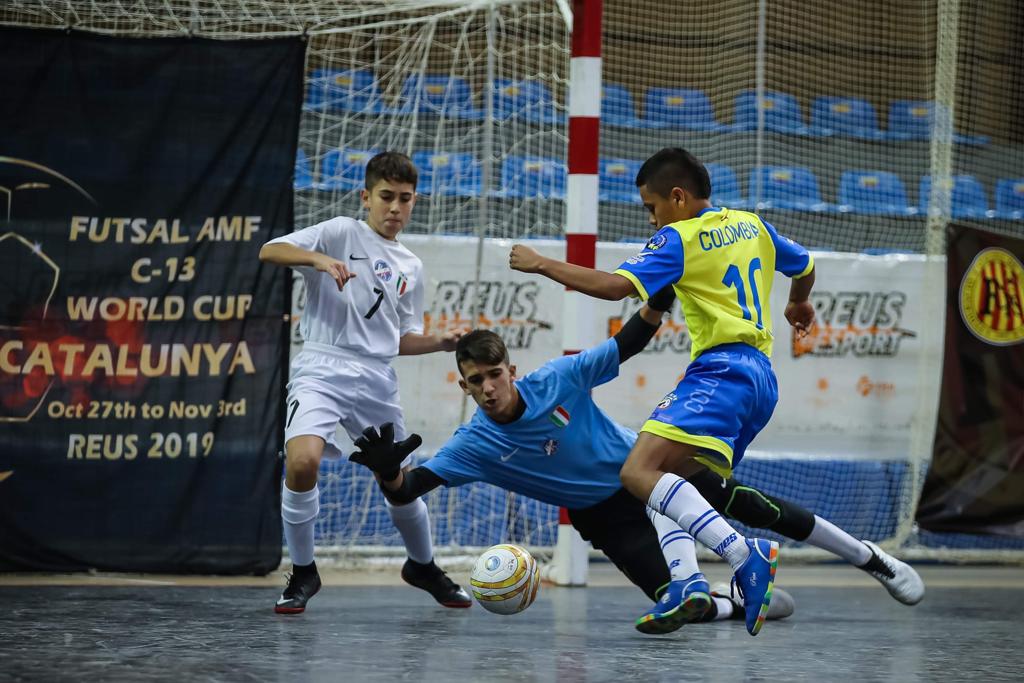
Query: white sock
{"type": "Point", "coordinates": [725, 607]}
{"type": "Point", "coordinates": [413, 522]}
{"type": "Point", "coordinates": [677, 499]}
{"type": "Point", "coordinates": [299, 510]}
{"type": "Point", "coordinates": [828, 536]}
{"type": "Point", "coordinates": [676, 545]}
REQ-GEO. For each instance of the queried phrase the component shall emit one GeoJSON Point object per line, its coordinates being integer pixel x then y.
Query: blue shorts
{"type": "Point", "coordinates": [726, 398]}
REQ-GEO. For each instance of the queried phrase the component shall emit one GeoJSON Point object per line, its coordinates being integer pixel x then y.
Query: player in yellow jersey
{"type": "Point", "coordinates": [721, 263]}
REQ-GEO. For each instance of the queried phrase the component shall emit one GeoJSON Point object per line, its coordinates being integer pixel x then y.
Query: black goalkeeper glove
{"type": "Point", "coordinates": [380, 453]}
{"type": "Point", "coordinates": [663, 299]}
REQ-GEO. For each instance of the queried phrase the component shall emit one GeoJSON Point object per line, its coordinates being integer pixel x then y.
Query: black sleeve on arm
{"type": "Point", "coordinates": [633, 337]}
{"type": "Point", "coordinates": [415, 483]}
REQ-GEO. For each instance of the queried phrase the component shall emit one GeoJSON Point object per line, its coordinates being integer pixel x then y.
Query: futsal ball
{"type": "Point", "coordinates": [505, 579]}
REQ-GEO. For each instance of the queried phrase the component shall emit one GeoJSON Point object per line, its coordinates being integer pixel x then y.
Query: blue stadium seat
{"type": "Point", "coordinates": [725, 187]}
{"type": "Point", "coordinates": [910, 120]}
{"type": "Point", "coordinates": [873, 192]}
{"type": "Point", "coordinates": [787, 187]}
{"type": "Point", "coordinates": [533, 177]}
{"type": "Point", "coordinates": [679, 108]}
{"type": "Point", "coordinates": [617, 108]}
{"type": "Point", "coordinates": [968, 200]}
{"type": "Point", "coordinates": [914, 120]}
{"type": "Point", "coordinates": [617, 181]}
{"type": "Point", "coordinates": [448, 174]}
{"type": "Point", "coordinates": [351, 90]}
{"type": "Point", "coordinates": [527, 99]}
{"type": "Point", "coordinates": [845, 116]}
{"type": "Point", "coordinates": [1010, 198]}
{"type": "Point", "coordinates": [438, 94]}
{"type": "Point", "coordinates": [781, 113]}
{"type": "Point", "coordinates": [303, 176]}
{"type": "Point", "coordinates": [344, 169]}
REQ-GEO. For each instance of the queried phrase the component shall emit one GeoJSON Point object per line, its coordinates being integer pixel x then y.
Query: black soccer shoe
{"type": "Point", "coordinates": [432, 579]}
{"type": "Point", "coordinates": [303, 583]}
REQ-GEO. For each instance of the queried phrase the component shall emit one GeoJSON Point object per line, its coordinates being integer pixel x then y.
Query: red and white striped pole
{"type": "Point", "coordinates": [571, 552]}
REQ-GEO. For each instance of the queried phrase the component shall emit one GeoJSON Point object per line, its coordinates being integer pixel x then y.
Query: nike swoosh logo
{"type": "Point", "coordinates": [353, 257]}
{"type": "Point", "coordinates": [508, 456]}
{"type": "Point", "coordinates": [281, 601]}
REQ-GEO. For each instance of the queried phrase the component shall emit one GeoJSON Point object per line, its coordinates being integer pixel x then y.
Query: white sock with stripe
{"type": "Point", "coordinates": [676, 545]}
{"type": "Point", "coordinates": [677, 499]}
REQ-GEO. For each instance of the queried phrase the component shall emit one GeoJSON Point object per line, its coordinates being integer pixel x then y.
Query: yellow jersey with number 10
{"type": "Point", "coordinates": [721, 264]}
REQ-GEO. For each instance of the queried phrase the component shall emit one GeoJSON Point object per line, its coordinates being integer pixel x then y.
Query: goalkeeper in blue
{"type": "Point", "coordinates": [721, 264]}
{"type": "Point", "coordinates": [543, 436]}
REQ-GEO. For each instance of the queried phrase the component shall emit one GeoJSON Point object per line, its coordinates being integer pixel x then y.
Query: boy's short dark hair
{"type": "Point", "coordinates": [675, 167]}
{"type": "Point", "coordinates": [393, 166]}
{"type": "Point", "coordinates": [481, 346]}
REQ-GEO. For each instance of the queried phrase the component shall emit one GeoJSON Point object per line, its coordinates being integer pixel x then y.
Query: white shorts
{"type": "Point", "coordinates": [329, 386]}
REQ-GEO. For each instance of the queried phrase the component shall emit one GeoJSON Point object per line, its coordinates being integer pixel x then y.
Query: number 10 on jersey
{"type": "Point", "coordinates": [734, 278]}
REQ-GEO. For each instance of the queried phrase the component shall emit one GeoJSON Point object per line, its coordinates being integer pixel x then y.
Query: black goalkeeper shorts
{"type": "Point", "coordinates": [619, 527]}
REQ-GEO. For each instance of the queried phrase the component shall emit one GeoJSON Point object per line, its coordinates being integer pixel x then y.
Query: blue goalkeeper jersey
{"type": "Point", "coordinates": [563, 450]}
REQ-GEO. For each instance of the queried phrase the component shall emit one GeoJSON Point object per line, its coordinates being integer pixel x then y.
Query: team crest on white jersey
{"type": "Point", "coordinates": [382, 270]}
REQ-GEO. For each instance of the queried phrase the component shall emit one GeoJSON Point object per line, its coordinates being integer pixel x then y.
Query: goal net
{"type": "Point", "coordinates": [834, 121]}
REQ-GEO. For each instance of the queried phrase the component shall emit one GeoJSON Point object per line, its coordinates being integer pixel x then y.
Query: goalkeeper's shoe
{"type": "Point", "coordinates": [682, 602]}
{"type": "Point", "coordinates": [782, 605]}
{"type": "Point", "coordinates": [754, 581]}
{"type": "Point", "coordinates": [432, 579]}
{"type": "Point", "coordinates": [899, 578]}
{"type": "Point", "coordinates": [303, 583]}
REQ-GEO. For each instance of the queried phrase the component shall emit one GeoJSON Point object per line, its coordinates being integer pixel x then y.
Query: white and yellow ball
{"type": "Point", "coordinates": [505, 579]}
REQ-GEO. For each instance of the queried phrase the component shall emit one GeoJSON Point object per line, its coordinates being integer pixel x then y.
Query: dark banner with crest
{"type": "Point", "coordinates": [976, 480]}
{"type": "Point", "coordinates": [142, 350]}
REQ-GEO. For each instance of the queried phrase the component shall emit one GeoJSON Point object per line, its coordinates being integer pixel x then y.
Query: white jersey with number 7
{"type": "Point", "coordinates": [377, 307]}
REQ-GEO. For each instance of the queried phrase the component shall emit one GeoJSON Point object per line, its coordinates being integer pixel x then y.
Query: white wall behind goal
{"type": "Point", "coordinates": [859, 387]}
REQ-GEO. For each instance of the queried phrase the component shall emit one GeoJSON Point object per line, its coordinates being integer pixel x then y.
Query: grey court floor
{"type": "Point", "coordinates": [371, 628]}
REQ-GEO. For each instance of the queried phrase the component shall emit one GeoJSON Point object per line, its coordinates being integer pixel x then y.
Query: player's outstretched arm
{"type": "Point", "coordinates": [595, 283]}
{"type": "Point", "coordinates": [380, 453]}
{"type": "Point", "coordinates": [641, 328]}
{"type": "Point", "coordinates": [289, 255]}
{"type": "Point", "coordinates": [409, 485]}
{"type": "Point", "coordinates": [383, 456]}
{"type": "Point", "coordinates": [414, 344]}
{"type": "Point", "coordinates": [799, 310]}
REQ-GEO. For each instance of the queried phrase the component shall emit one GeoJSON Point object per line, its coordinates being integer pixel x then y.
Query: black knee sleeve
{"type": "Point", "coordinates": [753, 507]}
{"type": "Point", "coordinates": [763, 511]}
{"type": "Point", "coordinates": [750, 506]}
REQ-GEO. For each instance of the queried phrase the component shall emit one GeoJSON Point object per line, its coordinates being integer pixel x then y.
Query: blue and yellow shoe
{"type": "Point", "coordinates": [754, 581]}
{"type": "Point", "coordinates": [682, 602]}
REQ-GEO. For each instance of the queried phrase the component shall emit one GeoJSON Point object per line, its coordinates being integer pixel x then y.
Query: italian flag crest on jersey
{"type": "Point", "coordinates": [560, 417]}
{"type": "Point", "coordinates": [401, 284]}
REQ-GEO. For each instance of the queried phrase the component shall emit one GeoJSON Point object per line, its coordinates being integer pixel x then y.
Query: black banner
{"type": "Point", "coordinates": [976, 480]}
{"type": "Point", "coordinates": [142, 350]}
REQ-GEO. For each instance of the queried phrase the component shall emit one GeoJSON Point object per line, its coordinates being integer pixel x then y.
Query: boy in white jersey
{"type": "Point", "coordinates": [364, 306]}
